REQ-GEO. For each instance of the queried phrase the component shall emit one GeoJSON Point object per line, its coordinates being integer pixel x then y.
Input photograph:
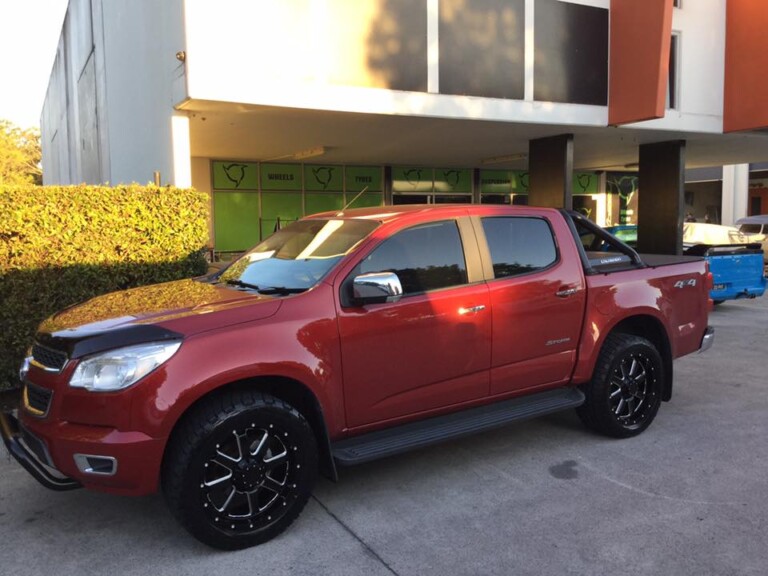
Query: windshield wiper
{"type": "Point", "coordinates": [280, 290]}
{"type": "Point", "coordinates": [242, 284]}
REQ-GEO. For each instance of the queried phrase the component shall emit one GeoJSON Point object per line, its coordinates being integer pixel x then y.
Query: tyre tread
{"type": "Point", "coordinates": [591, 413]}
{"type": "Point", "coordinates": [192, 432]}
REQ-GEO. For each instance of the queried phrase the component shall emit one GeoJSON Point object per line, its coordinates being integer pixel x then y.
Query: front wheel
{"type": "Point", "coordinates": [240, 470]}
{"type": "Point", "coordinates": [624, 395]}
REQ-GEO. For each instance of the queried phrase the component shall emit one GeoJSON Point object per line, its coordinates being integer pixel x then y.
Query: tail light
{"type": "Point", "coordinates": [710, 283]}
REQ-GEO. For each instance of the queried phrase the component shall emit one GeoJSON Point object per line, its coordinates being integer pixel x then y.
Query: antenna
{"type": "Point", "coordinates": [341, 213]}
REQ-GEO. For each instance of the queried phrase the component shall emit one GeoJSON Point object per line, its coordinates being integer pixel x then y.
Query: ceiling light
{"type": "Point", "coordinates": [311, 153]}
{"type": "Point", "coordinates": [505, 159]}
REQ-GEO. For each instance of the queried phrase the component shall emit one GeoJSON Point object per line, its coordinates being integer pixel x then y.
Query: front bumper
{"type": "Point", "coordinates": [61, 455]}
{"type": "Point", "coordinates": [19, 445]}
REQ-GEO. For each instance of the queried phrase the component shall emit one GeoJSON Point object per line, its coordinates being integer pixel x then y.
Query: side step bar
{"type": "Point", "coordinates": [392, 441]}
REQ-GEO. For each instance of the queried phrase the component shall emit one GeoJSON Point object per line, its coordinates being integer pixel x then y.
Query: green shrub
{"type": "Point", "coordinates": [63, 245]}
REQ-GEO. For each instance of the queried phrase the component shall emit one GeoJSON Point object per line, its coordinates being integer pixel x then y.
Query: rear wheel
{"type": "Point", "coordinates": [240, 470]}
{"type": "Point", "coordinates": [624, 395]}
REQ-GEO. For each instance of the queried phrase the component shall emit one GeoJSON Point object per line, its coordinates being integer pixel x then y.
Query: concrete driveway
{"type": "Point", "coordinates": [689, 496]}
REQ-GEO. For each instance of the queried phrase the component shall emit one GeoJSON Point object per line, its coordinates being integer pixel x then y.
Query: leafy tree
{"type": "Point", "coordinates": [19, 155]}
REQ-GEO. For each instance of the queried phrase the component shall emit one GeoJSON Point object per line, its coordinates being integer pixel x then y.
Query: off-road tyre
{"type": "Point", "coordinates": [240, 469]}
{"type": "Point", "coordinates": [624, 394]}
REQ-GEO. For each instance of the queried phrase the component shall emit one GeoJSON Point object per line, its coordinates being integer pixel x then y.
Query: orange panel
{"type": "Point", "coordinates": [746, 59]}
{"type": "Point", "coordinates": [640, 38]}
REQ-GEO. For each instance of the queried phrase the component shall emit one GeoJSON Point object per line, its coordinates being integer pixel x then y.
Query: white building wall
{"type": "Point", "coordinates": [312, 54]}
{"type": "Point", "coordinates": [53, 125]}
{"type": "Point", "coordinates": [108, 112]}
{"type": "Point", "coordinates": [701, 68]}
{"type": "Point", "coordinates": [226, 64]}
{"type": "Point", "coordinates": [141, 39]}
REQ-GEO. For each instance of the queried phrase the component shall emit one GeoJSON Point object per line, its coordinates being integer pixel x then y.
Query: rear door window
{"type": "Point", "coordinates": [519, 245]}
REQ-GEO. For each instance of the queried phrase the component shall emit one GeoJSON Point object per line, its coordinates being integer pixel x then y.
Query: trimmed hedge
{"type": "Point", "coordinates": [63, 245]}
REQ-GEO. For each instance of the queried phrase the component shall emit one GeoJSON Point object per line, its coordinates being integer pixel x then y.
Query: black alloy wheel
{"type": "Point", "coordinates": [238, 477]}
{"type": "Point", "coordinates": [249, 480]}
{"type": "Point", "coordinates": [632, 388]}
{"type": "Point", "coordinates": [624, 395]}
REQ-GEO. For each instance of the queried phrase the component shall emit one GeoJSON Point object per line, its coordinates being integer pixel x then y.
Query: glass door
{"type": "Point", "coordinates": [399, 199]}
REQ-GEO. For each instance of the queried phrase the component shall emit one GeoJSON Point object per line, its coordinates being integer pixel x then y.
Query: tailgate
{"type": "Point", "coordinates": [737, 270]}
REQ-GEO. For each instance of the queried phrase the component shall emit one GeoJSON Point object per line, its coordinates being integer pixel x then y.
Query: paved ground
{"type": "Point", "coordinates": [689, 496]}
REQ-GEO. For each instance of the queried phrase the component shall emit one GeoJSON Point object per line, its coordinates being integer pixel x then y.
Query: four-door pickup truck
{"type": "Point", "coordinates": [346, 337]}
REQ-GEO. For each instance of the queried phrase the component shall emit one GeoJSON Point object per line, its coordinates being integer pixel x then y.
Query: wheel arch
{"type": "Point", "coordinates": [653, 330]}
{"type": "Point", "coordinates": [287, 389]}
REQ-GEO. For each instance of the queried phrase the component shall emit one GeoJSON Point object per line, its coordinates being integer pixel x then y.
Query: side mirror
{"type": "Point", "coordinates": [376, 288]}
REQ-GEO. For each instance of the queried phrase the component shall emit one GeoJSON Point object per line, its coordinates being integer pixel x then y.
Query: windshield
{"type": "Point", "coordinates": [298, 256]}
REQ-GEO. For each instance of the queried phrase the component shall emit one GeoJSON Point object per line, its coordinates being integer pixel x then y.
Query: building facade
{"type": "Point", "coordinates": [281, 108]}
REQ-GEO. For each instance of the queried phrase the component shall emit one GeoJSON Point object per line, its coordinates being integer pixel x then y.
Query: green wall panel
{"type": "Point", "coordinates": [453, 180]}
{"type": "Point", "coordinates": [585, 183]}
{"type": "Point", "coordinates": [363, 177]}
{"type": "Point", "coordinates": [281, 177]}
{"type": "Point", "coordinates": [286, 207]}
{"type": "Point", "coordinates": [323, 202]}
{"type": "Point", "coordinates": [323, 178]}
{"type": "Point", "coordinates": [366, 200]}
{"type": "Point", "coordinates": [503, 182]}
{"type": "Point", "coordinates": [412, 179]}
{"type": "Point", "coordinates": [235, 175]}
{"type": "Point", "coordinates": [235, 220]}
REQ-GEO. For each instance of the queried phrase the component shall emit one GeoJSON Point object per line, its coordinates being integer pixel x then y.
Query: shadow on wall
{"type": "Point", "coordinates": [481, 46]}
{"type": "Point", "coordinates": [397, 44]}
{"type": "Point", "coordinates": [30, 296]}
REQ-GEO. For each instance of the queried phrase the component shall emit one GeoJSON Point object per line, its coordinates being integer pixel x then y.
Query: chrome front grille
{"type": "Point", "coordinates": [37, 400]}
{"type": "Point", "coordinates": [48, 358]}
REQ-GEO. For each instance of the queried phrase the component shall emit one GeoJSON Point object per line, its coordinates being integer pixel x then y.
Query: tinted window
{"type": "Point", "coordinates": [750, 228]}
{"type": "Point", "coordinates": [424, 258]}
{"type": "Point", "coordinates": [519, 245]}
{"type": "Point", "coordinates": [570, 53]}
{"type": "Point", "coordinates": [491, 35]}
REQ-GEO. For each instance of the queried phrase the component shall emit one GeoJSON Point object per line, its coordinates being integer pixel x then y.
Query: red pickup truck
{"type": "Point", "coordinates": [346, 337]}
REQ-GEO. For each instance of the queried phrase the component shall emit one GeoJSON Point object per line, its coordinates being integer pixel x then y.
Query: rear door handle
{"type": "Point", "coordinates": [471, 310]}
{"type": "Point", "coordinates": [565, 292]}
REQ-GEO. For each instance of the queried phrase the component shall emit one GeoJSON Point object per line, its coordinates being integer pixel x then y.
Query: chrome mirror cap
{"type": "Point", "coordinates": [377, 287]}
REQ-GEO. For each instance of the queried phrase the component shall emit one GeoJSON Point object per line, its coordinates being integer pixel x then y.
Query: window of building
{"type": "Point", "coordinates": [673, 82]}
{"type": "Point", "coordinates": [482, 48]}
{"type": "Point", "coordinates": [519, 245]}
{"type": "Point", "coordinates": [678, 3]}
{"type": "Point", "coordinates": [570, 53]}
{"type": "Point", "coordinates": [426, 257]}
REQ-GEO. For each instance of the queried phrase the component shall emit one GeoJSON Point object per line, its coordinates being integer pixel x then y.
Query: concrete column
{"type": "Point", "coordinates": [550, 169]}
{"type": "Point", "coordinates": [661, 199]}
{"type": "Point", "coordinates": [182, 155]}
{"type": "Point", "coordinates": [735, 193]}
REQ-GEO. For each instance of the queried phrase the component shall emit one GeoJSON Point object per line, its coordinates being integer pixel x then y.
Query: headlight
{"type": "Point", "coordinates": [25, 366]}
{"type": "Point", "coordinates": [118, 369]}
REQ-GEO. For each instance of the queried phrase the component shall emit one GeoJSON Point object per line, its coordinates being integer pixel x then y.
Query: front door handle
{"type": "Point", "coordinates": [471, 310]}
{"type": "Point", "coordinates": [565, 292]}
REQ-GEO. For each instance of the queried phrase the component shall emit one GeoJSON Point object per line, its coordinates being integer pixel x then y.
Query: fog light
{"type": "Point", "coordinates": [98, 465]}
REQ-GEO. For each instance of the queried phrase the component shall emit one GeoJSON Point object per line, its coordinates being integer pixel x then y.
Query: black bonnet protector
{"type": "Point", "coordinates": [79, 343]}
